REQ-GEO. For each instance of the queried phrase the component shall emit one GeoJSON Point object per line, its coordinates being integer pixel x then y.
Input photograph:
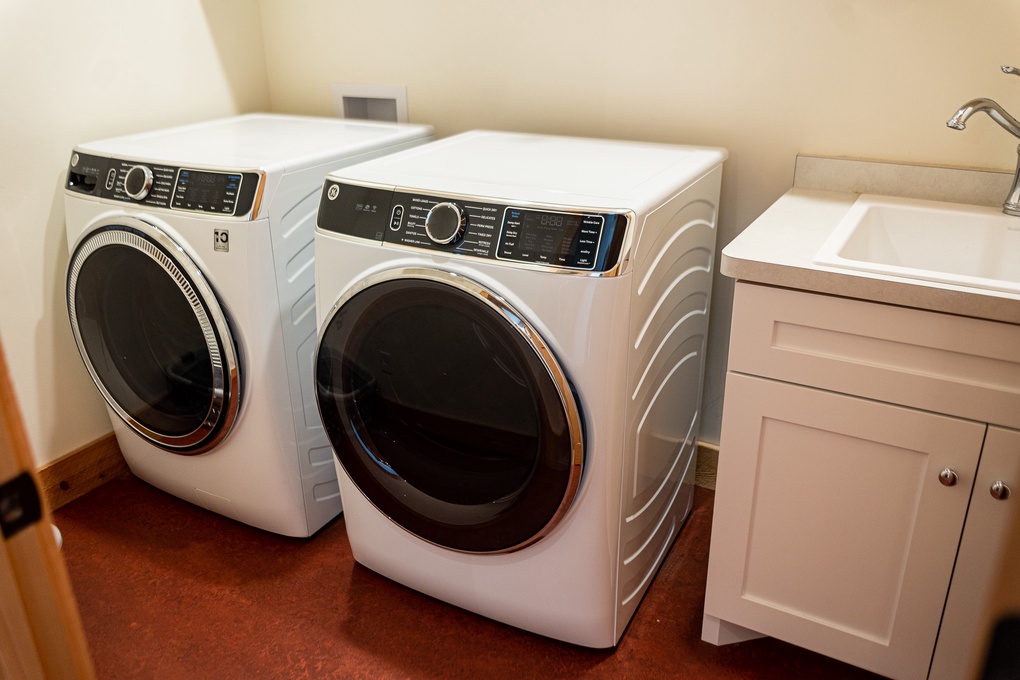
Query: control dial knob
{"type": "Point", "coordinates": [445, 223]}
{"type": "Point", "coordinates": [138, 182]}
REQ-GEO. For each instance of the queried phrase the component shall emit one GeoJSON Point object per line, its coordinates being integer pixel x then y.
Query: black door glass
{"type": "Point", "coordinates": [444, 416]}
{"type": "Point", "coordinates": [144, 341]}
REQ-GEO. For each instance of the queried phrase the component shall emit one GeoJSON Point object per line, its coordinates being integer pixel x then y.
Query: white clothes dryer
{"type": "Point", "coordinates": [512, 332]}
{"type": "Point", "coordinates": [190, 296]}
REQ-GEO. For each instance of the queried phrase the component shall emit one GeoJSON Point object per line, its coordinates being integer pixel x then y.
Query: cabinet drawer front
{"type": "Point", "coordinates": [938, 362]}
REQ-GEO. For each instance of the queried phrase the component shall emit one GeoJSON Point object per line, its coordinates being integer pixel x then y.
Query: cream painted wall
{"type": "Point", "coordinates": [767, 80]}
{"type": "Point", "coordinates": [863, 78]}
{"type": "Point", "coordinates": [74, 72]}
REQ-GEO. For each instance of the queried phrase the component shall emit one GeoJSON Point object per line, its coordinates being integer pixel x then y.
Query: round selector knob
{"type": "Point", "coordinates": [138, 182]}
{"type": "Point", "coordinates": [445, 223]}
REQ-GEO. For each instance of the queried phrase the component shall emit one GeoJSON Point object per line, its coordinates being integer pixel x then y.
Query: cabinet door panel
{"type": "Point", "coordinates": [973, 605]}
{"type": "Point", "coordinates": [831, 528]}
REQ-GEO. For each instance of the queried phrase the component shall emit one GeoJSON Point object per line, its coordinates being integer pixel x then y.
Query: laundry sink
{"type": "Point", "coordinates": [951, 243]}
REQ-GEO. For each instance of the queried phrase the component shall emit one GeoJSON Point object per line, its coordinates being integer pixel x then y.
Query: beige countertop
{"type": "Point", "coordinates": [777, 248]}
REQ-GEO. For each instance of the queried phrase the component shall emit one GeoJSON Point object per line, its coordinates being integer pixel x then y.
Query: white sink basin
{"type": "Point", "coordinates": [963, 245]}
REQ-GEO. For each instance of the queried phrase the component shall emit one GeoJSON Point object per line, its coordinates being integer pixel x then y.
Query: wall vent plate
{"type": "Point", "coordinates": [370, 102]}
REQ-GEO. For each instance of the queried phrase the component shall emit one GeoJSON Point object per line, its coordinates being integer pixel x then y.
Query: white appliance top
{"type": "Point", "coordinates": [541, 168]}
{"type": "Point", "coordinates": [258, 141]}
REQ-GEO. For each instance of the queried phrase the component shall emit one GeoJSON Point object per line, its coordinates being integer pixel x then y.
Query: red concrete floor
{"type": "Point", "coordinates": [167, 590]}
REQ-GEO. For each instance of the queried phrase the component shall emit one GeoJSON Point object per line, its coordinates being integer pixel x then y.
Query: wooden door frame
{"type": "Point", "coordinates": [40, 627]}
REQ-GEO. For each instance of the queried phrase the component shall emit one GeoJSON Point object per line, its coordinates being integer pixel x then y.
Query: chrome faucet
{"type": "Point", "coordinates": [1010, 124]}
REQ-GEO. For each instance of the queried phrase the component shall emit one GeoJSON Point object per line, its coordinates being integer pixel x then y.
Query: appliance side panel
{"type": "Point", "coordinates": [292, 228]}
{"type": "Point", "coordinates": [674, 259]}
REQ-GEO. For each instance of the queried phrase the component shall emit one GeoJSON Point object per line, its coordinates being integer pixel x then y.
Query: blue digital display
{"type": "Point", "coordinates": [212, 192]}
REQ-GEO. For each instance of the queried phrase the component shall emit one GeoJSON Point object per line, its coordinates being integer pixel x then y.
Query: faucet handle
{"type": "Point", "coordinates": [1012, 70]}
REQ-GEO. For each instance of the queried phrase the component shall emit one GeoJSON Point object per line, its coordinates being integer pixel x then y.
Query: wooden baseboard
{"type": "Point", "coordinates": [708, 447]}
{"type": "Point", "coordinates": [707, 464]}
{"type": "Point", "coordinates": [80, 471]}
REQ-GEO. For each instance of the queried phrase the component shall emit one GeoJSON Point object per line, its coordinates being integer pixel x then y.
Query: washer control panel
{"type": "Point", "coordinates": [213, 192]}
{"type": "Point", "coordinates": [567, 238]}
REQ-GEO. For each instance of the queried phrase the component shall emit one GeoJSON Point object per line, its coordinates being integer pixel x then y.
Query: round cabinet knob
{"type": "Point", "coordinates": [445, 223]}
{"type": "Point", "coordinates": [948, 477]}
{"type": "Point", "coordinates": [138, 182]}
{"type": "Point", "coordinates": [1000, 491]}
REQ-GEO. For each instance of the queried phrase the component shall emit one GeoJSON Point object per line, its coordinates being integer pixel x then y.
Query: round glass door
{"type": "Point", "coordinates": [153, 336]}
{"type": "Point", "coordinates": [448, 411]}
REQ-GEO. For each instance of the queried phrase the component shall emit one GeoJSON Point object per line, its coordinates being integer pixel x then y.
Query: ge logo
{"type": "Point", "coordinates": [333, 192]}
{"type": "Point", "coordinates": [221, 240]}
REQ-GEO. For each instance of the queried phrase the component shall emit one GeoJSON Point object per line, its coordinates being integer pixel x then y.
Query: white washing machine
{"type": "Point", "coordinates": [190, 296]}
{"type": "Point", "coordinates": [512, 332]}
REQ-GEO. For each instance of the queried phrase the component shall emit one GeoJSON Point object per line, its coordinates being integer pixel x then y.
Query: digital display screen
{"type": "Point", "coordinates": [554, 238]}
{"type": "Point", "coordinates": [548, 235]}
{"type": "Point", "coordinates": [214, 192]}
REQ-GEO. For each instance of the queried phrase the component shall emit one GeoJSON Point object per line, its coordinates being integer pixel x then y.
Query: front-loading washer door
{"type": "Point", "coordinates": [448, 411]}
{"type": "Point", "coordinates": [153, 336]}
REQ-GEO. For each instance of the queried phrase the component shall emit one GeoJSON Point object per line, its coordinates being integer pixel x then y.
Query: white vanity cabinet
{"type": "Point", "coordinates": [853, 433]}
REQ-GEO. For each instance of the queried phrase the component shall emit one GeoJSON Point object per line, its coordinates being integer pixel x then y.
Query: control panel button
{"type": "Point", "coordinates": [396, 217]}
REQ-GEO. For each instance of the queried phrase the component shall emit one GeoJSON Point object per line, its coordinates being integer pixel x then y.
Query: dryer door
{"type": "Point", "coordinates": [448, 411]}
{"type": "Point", "coordinates": [153, 336]}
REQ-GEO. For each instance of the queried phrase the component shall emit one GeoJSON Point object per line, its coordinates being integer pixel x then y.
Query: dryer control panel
{"type": "Point", "coordinates": [214, 192]}
{"type": "Point", "coordinates": [567, 238]}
